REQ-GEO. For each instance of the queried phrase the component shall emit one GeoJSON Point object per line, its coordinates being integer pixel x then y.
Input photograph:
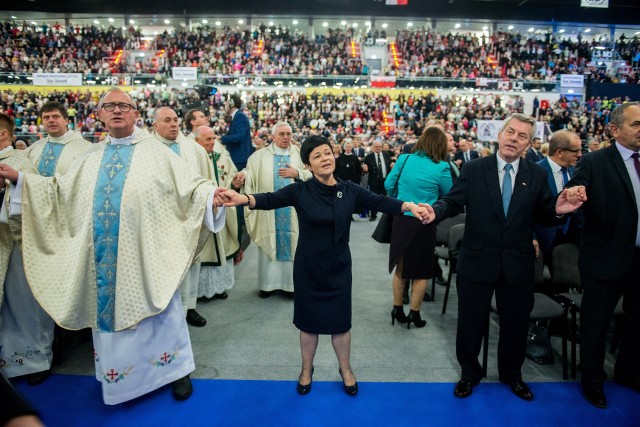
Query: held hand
{"type": "Point", "coordinates": [570, 200]}
{"type": "Point", "coordinates": [431, 214]}
{"type": "Point", "coordinates": [420, 212]}
{"type": "Point", "coordinates": [238, 180]}
{"type": "Point", "coordinates": [365, 168]}
{"type": "Point", "coordinates": [288, 172]}
{"type": "Point", "coordinates": [7, 172]}
{"type": "Point", "coordinates": [232, 198]}
{"type": "Point", "coordinates": [218, 191]}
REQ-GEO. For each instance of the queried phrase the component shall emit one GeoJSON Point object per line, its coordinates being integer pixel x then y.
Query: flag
{"type": "Point", "coordinates": [396, 2]}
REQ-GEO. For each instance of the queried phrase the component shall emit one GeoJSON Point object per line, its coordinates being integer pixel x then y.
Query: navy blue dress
{"type": "Point", "coordinates": [322, 264]}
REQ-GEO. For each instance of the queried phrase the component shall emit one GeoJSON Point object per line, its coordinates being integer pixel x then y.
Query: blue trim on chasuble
{"type": "Point", "coordinates": [106, 224]}
{"type": "Point", "coordinates": [49, 158]}
{"type": "Point", "coordinates": [175, 147]}
{"type": "Point", "coordinates": [283, 215]}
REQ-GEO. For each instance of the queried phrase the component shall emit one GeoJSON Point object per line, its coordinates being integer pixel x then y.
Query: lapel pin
{"type": "Point", "coordinates": [339, 194]}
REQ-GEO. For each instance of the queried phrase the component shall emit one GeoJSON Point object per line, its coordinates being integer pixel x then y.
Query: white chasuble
{"type": "Point", "coordinates": [160, 215]}
{"type": "Point", "coordinates": [54, 155]}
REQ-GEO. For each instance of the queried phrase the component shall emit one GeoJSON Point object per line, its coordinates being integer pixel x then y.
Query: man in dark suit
{"type": "Point", "coordinates": [378, 164]}
{"type": "Point", "coordinates": [533, 153]}
{"type": "Point", "coordinates": [238, 140]}
{"type": "Point", "coordinates": [503, 196]}
{"type": "Point", "coordinates": [608, 181]}
{"type": "Point", "coordinates": [564, 153]}
{"type": "Point", "coordinates": [466, 154]}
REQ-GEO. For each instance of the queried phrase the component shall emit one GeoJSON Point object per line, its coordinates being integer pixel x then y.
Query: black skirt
{"type": "Point", "coordinates": [414, 244]}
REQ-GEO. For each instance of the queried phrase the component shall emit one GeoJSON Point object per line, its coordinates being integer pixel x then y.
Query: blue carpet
{"type": "Point", "coordinates": [67, 400]}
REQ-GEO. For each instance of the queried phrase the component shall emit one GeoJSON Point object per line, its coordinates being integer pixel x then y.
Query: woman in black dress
{"type": "Point", "coordinates": [322, 264]}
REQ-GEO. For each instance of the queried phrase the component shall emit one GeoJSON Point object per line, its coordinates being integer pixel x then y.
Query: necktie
{"type": "Point", "coordinates": [565, 179]}
{"type": "Point", "coordinates": [636, 162]}
{"type": "Point", "coordinates": [379, 166]}
{"type": "Point", "coordinates": [507, 189]}
{"type": "Point", "coordinates": [466, 157]}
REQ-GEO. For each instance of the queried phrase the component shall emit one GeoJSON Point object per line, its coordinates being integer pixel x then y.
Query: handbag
{"type": "Point", "coordinates": [539, 344]}
{"type": "Point", "coordinates": [382, 233]}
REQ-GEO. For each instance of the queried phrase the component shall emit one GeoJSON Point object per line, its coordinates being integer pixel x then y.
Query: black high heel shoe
{"type": "Point", "coordinates": [414, 317]}
{"type": "Point", "coordinates": [305, 389]}
{"type": "Point", "coordinates": [398, 314]}
{"type": "Point", "coordinates": [351, 390]}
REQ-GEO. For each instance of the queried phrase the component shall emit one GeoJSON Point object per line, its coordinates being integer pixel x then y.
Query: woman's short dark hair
{"type": "Point", "coordinates": [311, 144]}
{"type": "Point", "coordinates": [433, 143]}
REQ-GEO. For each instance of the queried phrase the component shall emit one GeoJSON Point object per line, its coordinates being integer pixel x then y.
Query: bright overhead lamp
{"type": "Point", "coordinates": [385, 25]}
{"type": "Point", "coordinates": [295, 22]}
{"type": "Point", "coordinates": [111, 20]}
{"type": "Point", "coordinates": [457, 26]}
{"type": "Point", "coordinates": [510, 27]}
{"type": "Point", "coordinates": [166, 21]}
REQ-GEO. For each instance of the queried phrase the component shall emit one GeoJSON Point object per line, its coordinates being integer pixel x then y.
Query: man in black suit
{"type": "Point", "coordinates": [533, 153]}
{"type": "Point", "coordinates": [378, 164]}
{"type": "Point", "coordinates": [608, 181]}
{"type": "Point", "coordinates": [466, 154]}
{"type": "Point", "coordinates": [503, 196]}
{"type": "Point", "coordinates": [564, 153]}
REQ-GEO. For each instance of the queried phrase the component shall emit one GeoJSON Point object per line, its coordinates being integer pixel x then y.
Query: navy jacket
{"type": "Point", "coordinates": [238, 140]}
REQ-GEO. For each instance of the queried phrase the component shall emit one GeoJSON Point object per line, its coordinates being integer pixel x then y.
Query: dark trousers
{"type": "Point", "coordinates": [514, 305]}
{"type": "Point", "coordinates": [377, 188]}
{"type": "Point", "coordinates": [598, 302]}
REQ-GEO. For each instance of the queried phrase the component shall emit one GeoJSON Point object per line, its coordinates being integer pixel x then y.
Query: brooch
{"type": "Point", "coordinates": [339, 194]}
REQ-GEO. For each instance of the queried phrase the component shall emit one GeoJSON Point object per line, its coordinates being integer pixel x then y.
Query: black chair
{"type": "Point", "coordinates": [455, 240]}
{"type": "Point", "coordinates": [544, 308]}
{"type": "Point", "coordinates": [442, 243]}
{"type": "Point", "coordinates": [566, 275]}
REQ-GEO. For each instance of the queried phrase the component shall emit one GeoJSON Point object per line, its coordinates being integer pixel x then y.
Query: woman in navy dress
{"type": "Point", "coordinates": [322, 264]}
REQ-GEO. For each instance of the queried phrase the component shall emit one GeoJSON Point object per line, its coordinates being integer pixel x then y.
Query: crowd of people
{"type": "Point", "coordinates": [278, 50]}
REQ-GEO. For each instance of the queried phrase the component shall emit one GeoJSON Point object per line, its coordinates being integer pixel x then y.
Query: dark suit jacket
{"type": "Point", "coordinates": [546, 235]}
{"type": "Point", "coordinates": [460, 156]}
{"type": "Point", "coordinates": [492, 244]}
{"type": "Point", "coordinates": [453, 168]}
{"type": "Point", "coordinates": [610, 215]}
{"type": "Point", "coordinates": [359, 151]}
{"type": "Point", "coordinates": [377, 182]}
{"type": "Point", "coordinates": [408, 148]}
{"type": "Point", "coordinates": [532, 156]}
{"type": "Point", "coordinates": [238, 140]}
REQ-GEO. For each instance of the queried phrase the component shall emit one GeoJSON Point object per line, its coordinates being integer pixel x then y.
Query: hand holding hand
{"type": "Point", "coordinates": [7, 172]}
{"type": "Point", "coordinates": [238, 180]}
{"type": "Point", "coordinates": [571, 199]}
{"type": "Point", "coordinates": [232, 198]}
{"type": "Point", "coordinates": [431, 214]}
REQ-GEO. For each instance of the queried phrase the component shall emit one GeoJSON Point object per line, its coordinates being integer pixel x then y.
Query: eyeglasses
{"type": "Point", "coordinates": [570, 149]}
{"type": "Point", "coordinates": [122, 106]}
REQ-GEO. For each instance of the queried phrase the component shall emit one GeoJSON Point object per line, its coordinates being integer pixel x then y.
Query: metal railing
{"type": "Point", "coordinates": [298, 81]}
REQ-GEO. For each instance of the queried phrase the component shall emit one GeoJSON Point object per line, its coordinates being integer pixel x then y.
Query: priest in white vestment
{"type": "Point", "coordinates": [222, 249]}
{"type": "Point", "coordinates": [167, 131]}
{"type": "Point", "coordinates": [193, 119]}
{"type": "Point", "coordinates": [275, 232]}
{"type": "Point", "coordinates": [126, 222]}
{"type": "Point", "coordinates": [26, 330]}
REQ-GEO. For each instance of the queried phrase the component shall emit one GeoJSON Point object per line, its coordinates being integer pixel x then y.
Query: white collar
{"type": "Point", "coordinates": [502, 163]}
{"type": "Point", "coordinates": [164, 140]}
{"type": "Point", "coordinates": [60, 138]}
{"type": "Point", "coordinates": [6, 149]}
{"type": "Point", "coordinates": [624, 151]}
{"type": "Point", "coordinates": [127, 140]}
{"type": "Point", "coordinates": [280, 151]}
{"type": "Point", "coordinates": [555, 168]}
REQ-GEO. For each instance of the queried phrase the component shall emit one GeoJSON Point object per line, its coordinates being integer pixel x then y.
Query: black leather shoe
{"type": "Point", "coordinates": [520, 389]}
{"type": "Point", "coordinates": [440, 281]}
{"type": "Point", "coordinates": [182, 388]}
{"type": "Point", "coordinates": [266, 294]}
{"type": "Point", "coordinates": [38, 377]}
{"type": "Point", "coordinates": [594, 393]}
{"type": "Point", "coordinates": [463, 389]}
{"type": "Point", "coordinates": [303, 389]}
{"type": "Point", "coordinates": [223, 295]}
{"type": "Point", "coordinates": [630, 383]}
{"type": "Point", "coordinates": [373, 218]}
{"type": "Point", "coordinates": [351, 390]}
{"type": "Point", "coordinates": [194, 318]}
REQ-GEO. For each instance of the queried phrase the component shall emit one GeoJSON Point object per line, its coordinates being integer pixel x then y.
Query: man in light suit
{"type": "Point", "coordinates": [533, 153]}
{"type": "Point", "coordinates": [378, 164]}
{"type": "Point", "coordinates": [503, 196]}
{"type": "Point", "coordinates": [608, 181]}
{"type": "Point", "coordinates": [564, 153]}
{"type": "Point", "coordinates": [238, 140]}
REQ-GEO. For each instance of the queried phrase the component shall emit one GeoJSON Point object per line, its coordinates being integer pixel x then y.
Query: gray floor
{"type": "Point", "coordinates": [247, 337]}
